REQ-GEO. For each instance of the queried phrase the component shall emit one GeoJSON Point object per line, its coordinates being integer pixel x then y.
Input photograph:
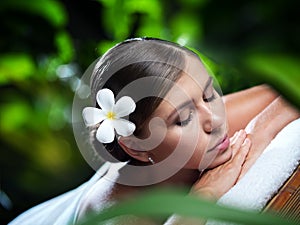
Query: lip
{"type": "Point", "coordinates": [221, 145]}
{"type": "Point", "coordinates": [224, 144]}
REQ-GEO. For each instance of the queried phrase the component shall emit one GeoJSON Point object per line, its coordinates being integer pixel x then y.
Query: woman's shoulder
{"type": "Point", "coordinates": [103, 195]}
{"type": "Point", "coordinates": [98, 197]}
{"type": "Point", "coordinates": [58, 210]}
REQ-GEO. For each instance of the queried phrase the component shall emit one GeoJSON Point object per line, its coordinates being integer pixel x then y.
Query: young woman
{"type": "Point", "coordinates": [209, 150]}
{"type": "Point", "coordinates": [179, 132]}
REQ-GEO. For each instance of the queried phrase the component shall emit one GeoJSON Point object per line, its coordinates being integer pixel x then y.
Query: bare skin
{"type": "Point", "coordinates": [260, 130]}
{"type": "Point", "coordinates": [247, 104]}
{"type": "Point", "coordinates": [207, 186]}
{"type": "Point", "coordinates": [264, 109]}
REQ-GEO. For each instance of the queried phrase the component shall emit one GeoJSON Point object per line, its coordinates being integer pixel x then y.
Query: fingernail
{"type": "Point", "coordinates": [246, 141]}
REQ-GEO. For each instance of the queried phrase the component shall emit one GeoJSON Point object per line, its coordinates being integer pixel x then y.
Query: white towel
{"type": "Point", "coordinates": [61, 210]}
{"type": "Point", "coordinates": [268, 174]}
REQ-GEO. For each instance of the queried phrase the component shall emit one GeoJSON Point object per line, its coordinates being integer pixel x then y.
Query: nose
{"type": "Point", "coordinates": [211, 118]}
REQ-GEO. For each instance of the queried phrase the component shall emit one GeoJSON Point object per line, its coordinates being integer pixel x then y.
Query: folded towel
{"type": "Point", "coordinates": [268, 174]}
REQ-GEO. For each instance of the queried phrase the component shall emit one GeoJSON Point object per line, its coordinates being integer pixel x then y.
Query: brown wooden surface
{"type": "Point", "coordinates": [286, 202]}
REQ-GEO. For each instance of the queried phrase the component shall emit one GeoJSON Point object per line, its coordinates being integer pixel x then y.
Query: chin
{"type": "Point", "coordinates": [221, 159]}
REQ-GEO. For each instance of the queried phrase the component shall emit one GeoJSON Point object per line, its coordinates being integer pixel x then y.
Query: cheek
{"type": "Point", "coordinates": [193, 144]}
{"type": "Point", "coordinates": [198, 152]}
{"type": "Point", "coordinates": [166, 147]}
{"type": "Point", "coordinates": [189, 143]}
{"type": "Point", "coordinates": [178, 142]}
{"type": "Point", "coordinates": [197, 144]}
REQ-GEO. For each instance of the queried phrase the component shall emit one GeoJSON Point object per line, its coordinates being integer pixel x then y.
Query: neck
{"type": "Point", "coordinates": [184, 177]}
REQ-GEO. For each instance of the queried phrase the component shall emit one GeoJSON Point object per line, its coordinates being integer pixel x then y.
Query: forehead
{"type": "Point", "coordinates": [190, 84]}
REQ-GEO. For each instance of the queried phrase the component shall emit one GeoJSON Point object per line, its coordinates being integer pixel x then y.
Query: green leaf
{"type": "Point", "coordinates": [14, 115]}
{"type": "Point", "coordinates": [211, 67]}
{"type": "Point", "coordinates": [15, 67]}
{"type": "Point", "coordinates": [150, 28]}
{"type": "Point", "coordinates": [167, 202]}
{"type": "Point", "coordinates": [279, 70]}
{"type": "Point", "coordinates": [51, 10]}
{"type": "Point", "coordinates": [64, 46]}
{"type": "Point", "coordinates": [188, 25]}
{"type": "Point", "coordinates": [104, 46]}
{"type": "Point", "coordinates": [152, 8]}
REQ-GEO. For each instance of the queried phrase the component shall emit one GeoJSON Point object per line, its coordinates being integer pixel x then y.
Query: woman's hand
{"type": "Point", "coordinates": [216, 182]}
{"type": "Point", "coordinates": [265, 126]}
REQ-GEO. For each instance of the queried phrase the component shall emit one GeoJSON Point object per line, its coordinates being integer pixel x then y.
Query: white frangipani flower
{"type": "Point", "coordinates": [110, 115]}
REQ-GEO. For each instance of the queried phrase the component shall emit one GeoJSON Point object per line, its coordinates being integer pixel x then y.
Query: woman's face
{"type": "Point", "coordinates": [195, 121]}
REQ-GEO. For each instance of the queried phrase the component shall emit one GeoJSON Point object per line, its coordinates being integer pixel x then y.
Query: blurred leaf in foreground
{"type": "Point", "coordinates": [162, 203]}
{"type": "Point", "coordinates": [279, 70]}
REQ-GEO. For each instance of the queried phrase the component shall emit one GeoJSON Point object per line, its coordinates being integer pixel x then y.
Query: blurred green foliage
{"type": "Point", "coordinates": [46, 46]}
{"type": "Point", "coordinates": [176, 200]}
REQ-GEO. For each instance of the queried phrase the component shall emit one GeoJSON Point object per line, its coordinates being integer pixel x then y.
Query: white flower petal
{"type": "Point", "coordinates": [124, 127]}
{"type": "Point", "coordinates": [124, 106]}
{"type": "Point", "coordinates": [92, 116]}
{"type": "Point", "coordinates": [105, 132]}
{"type": "Point", "coordinates": [106, 99]}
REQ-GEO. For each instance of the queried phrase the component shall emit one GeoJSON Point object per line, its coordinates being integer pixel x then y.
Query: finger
{"type": "Point", "coordinates": [240, 157]}
{"type": "Point", "coordinates": [232, 139]}
{"type": "Point", "coordinates": [236, 136]}
{"type": "Point", "coordinates": [238, 141]}
{"type": "Point", "coordinates": [245, 169]}
{"type": "Point", "coordinates": [249, 136]}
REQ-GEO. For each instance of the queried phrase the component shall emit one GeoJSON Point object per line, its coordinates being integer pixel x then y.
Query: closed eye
{"type": "Point", "coordinates": [209, 98]}
{"type": "Point", "coordinates": [209, 92]}
{"type": "Point", "coordinates": [187, 120]}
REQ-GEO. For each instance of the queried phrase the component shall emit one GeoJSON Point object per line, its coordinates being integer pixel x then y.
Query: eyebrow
{"type": "Point", "coordinates": [208, 83]}
{"type": "Point", "coordinates": [188, 102]}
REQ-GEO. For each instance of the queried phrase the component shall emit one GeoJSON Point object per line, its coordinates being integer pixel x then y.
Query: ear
{"type": "Point", "coordinates": [129, 145]}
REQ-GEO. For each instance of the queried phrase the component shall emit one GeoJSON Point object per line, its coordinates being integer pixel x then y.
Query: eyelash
{"type": "Point", "coordinates": [187, 121]}
{"type": "Point", "coordinates": [209, 99]}
{"type": "Point", "coordinates": [190, 117]}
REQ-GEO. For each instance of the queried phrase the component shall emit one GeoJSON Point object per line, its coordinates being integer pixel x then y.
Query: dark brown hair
{"type": "Point", "coordinates": [129, 61]}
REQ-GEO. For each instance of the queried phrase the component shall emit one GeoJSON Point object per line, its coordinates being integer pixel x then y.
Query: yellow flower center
{"type": "Point", "coordinates": [111, 115]}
